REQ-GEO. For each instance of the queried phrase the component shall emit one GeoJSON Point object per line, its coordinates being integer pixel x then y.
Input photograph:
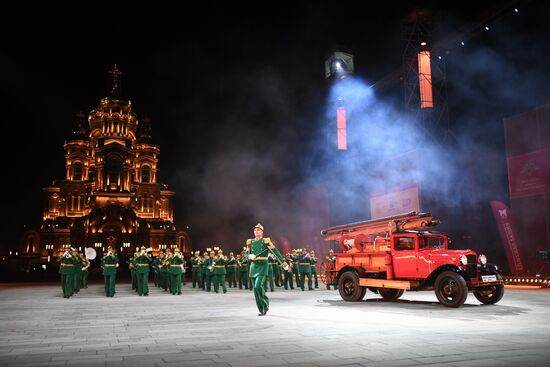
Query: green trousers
{"type": "Point", "coordinates": [232, 278]}
{"type": "Point", "coordinates": [175, 283]}
{"type": "Point", "coordinates": [142, 283]}
{"type": "Point", "coordinates": [84, 282]}
{"type": "Point", "coordinates": [288, 282]}
{"type": "Point", "coordinates": [134, 279]}
{"type": "Point", "coordinates": [262, 302]}
{"type": "Point", "coordinates": [243, 279]}
{"type": "Point", "coordinates": [314, 275]}
{"type": "Point", "coordinates": [302, 280]}
{"type": "Point", "coordinates": [196, 277]}
{"type": "Point", "coordinates": [77, 280]}
{"type": "Point", "coordinates": [67, 284]}
{"type": "Point", "coordinates": [109, 281]}
{"type": "Point", "coordinates": [219, 280]}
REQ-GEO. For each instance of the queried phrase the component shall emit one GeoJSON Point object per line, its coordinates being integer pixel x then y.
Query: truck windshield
{"type": "Point", "coordinates": [431, 242]}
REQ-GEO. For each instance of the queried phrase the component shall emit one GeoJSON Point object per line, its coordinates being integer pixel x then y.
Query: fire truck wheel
{"type": "Point", "coordinates": [451, 289]}
{"type": "Point", "coordinates": [348, 286]}
{"type": "Point", "coordinates": [390, 294]}
{"type": "Point", "coordinates": [490, 296]}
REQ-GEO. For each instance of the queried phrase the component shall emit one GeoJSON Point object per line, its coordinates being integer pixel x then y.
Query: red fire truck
{"type": "Point", "coordinates": [402, 253]}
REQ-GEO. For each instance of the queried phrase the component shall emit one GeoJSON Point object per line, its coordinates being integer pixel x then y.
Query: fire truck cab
{"type": "Point", "coordinates": [393, 254]}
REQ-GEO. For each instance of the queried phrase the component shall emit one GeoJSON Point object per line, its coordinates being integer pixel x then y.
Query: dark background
{"type": "Point", "coordinates": [237, 98]}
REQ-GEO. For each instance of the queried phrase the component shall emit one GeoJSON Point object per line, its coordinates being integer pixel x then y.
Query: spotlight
{"type": "Point", "coordinates": [439, 57]}
{"type": "Point", "coordinates": [486, 28]}
{"type": "Point", "coordinates": [423, 43]}
{"type": "Point", "coordinates": [462, 43]}
{"type": "Point", "coordinates": [516, 10]}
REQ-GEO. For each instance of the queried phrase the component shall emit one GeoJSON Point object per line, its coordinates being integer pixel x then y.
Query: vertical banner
{"type": "Point", "coordinates": [508, 233]}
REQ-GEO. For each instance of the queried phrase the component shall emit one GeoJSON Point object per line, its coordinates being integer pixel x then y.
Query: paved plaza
{"type": "Point", "coordinates": [38, 327]}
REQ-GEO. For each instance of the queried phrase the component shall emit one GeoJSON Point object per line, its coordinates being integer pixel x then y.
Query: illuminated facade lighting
{"type": "Point", "coordinates": [425, 79]}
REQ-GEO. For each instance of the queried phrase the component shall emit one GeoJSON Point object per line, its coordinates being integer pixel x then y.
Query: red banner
{"type": "Point", "coordinates": [529, 174]}
{"type": "Point", "coordinates": [508, 233]}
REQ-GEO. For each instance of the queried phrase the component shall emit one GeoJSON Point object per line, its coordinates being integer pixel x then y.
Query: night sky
{"type": "Point", "coordinates": [237, 97]}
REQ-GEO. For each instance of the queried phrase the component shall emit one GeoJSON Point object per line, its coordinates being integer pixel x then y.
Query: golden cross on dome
{"type": "Point", "coordinates": [115, 85]}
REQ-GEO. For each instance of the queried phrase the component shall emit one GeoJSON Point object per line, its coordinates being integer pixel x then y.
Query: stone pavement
{"type": "Point", "coordinates": [38, 327]}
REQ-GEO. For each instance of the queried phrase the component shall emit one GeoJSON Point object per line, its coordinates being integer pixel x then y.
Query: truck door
{"type": "Point", "coordinates": [404, 252]}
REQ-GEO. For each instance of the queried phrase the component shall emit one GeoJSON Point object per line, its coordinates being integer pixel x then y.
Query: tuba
{"type": "Point", "coordinates": [90, 253]}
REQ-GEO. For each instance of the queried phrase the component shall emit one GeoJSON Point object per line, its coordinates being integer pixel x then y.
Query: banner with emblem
{"type": "Point", "coordinates": [510, 240]}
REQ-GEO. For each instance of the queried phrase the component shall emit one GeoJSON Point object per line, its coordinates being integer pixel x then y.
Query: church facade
{"type": "Point", "coordinates": [110, 194]}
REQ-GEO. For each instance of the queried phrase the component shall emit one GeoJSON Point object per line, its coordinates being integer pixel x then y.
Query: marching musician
{"type": "Point", "coordinates": [242, 264]}
{"type": "Point", "coordinates": [77, 260]}
{"type": "Point", "coordinates": [66, 270]}
{"type": "Point", "coordinates": [196, 264]}
{"type": "Point", "coordinates": [287, 281]}
{"type": "Point", "coordinates": [109, 264]}
{"type": "Point", "coordinates": [177, 269]}
{"type": "Point", "coordinates": [219, 272]}
{"type": "Point", "coordinates": [206, 272]}
{"type": "Point", "coordinates": [332, 259]}
{"type": "Point", "coordinates": [85, 270]}
{"type": "Point", "coordinates": [270, 272]}
{"type": "Point", "coordinates": [295, 266]}
{"type": "Point", "coordinates": [258, 248]}
{"type": "Point", "coordinates": [313, 261]}
{"type": "Point", "coordinates": [141, 269]}
{"type": "Point", "coordinates": [304, 265]}
{"type": "Point", "coordinates": [232, 270]}
{"type": "Point", "coordinates": [166, 270]}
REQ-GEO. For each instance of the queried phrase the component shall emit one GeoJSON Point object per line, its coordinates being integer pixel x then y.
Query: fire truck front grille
{"type": "Point", "coordinates": [471, 268]}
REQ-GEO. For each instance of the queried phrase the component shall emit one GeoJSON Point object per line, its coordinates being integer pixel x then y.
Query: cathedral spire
{"type": "Point", "coordinates": [144, 131]}
{"type": "Point", "coordinates": [115, 81]}
{"type": "Point", "coordinates": [80, 126]}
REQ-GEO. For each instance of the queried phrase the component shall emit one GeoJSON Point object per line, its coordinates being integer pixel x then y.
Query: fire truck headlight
{"type": "Point", "coordinates": [463, 259]}
{"type": "Point", "coordinates": [482, 259]}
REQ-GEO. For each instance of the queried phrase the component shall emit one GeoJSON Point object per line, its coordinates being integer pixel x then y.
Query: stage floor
{"type": "Point", "coordinates": [38, 327]}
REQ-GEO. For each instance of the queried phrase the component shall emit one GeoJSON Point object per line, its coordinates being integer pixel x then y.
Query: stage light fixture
{"type": "Point", "coordinates": [423, 43]}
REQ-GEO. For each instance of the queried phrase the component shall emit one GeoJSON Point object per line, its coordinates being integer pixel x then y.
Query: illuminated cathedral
{"type": "Point", "coordinates": [110, 194]}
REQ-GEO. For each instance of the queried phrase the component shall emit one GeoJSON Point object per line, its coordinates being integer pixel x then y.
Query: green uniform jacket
{"type": "Point", "coordinates": [231, 265]}
{"type": "Point", "coordinates": [176, 265]}
{"type": "Point", "coordinates": [304, 265]}
{"type": "Point", "coordinates": [313, 262]}
{"type": "Point", "coordinates": [142, 263]}
{"type": "Point", "coordinates": [109, 263]}
{"type": "Point", "coordinates": [219, 266]}
{"type": "Point", "coordinates": [260, 248]}
{"type": "Point", "coordinates": [196, 263]}
{"type": "Point", "coordinates": [66, 265]}
{"type": "Point", "coordinates": [243, 265]}
{"type": "Point", "coordinates": [206, 264]}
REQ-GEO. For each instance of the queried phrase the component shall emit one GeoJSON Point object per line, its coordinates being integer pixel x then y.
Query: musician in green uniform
{"type": "Point", "coordinates": [287, 279]}
{"type": "Point", "coordinates": [332, 259]}
{"type": "Point", "coordinates": [206, 267]}
{"type": "Point", "coordinates": [160, 263]}
{"type": "Point", "coordinates": [313, 261]}
{"type": "Point", "coordinates": [277, 274]}
{"type": "Point", "coordinates": [304, 265]}
{"type": "Point", "coordinates": [176, 271]}
{"type": "Point", "coordinates": [141, 267]}
{"type": "Point", "coordinates": [196, 263]}
{"type": "Point", "coordinates": [66, 270]}
{"type": "Point", "coordinates": [257, 250]}
{"type": "Point", "coordinates": [133, 274]}
{"type": "Point", "coordinates": [295, 266]}
{"type": "Point", "coordinates": [109, 264]}
{"type": "Point", "coordinates": [77, 260]}
{"type": "Point", "coordinates": [231, 266]}
{"type": "Point", "coordinates": [219, 272]}
{"type": "Point", "coordinates": [242, 265]}
{"type": "Point", "coordinates": [271, 263]}
{"type": "Point", "coordinates": [154, 266]}
{"type": "Point", "coordinates": [166, 269]}
{"type": "Point", "coordinates": [85, 270]}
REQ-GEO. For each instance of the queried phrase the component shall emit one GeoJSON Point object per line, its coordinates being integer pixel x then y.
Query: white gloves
{"type": "Point", "coordinates": [251, 256]}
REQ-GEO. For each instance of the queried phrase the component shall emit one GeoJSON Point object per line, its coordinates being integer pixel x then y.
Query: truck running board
{"type": "Point", "coordinates": [386, 283]}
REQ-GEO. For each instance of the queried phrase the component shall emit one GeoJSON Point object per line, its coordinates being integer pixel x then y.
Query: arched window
{"type": "Point", "coordinates": [114, 169]}
{"type": "Point", "coordinates": [77, 171]}
{"type": "Point", "coordinates": [145, 174]}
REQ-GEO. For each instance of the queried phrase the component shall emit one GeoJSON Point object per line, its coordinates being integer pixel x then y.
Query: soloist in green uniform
{"type": "Point", "coordinates": [219, 272]}
{"type": "Point", "coordinates": [66, 270]}
{"type": "Point", "coordinates": [109, 264]}
{"type": "Point", "coordinates": [257, 250]}
{"type": "Point", "coordinates": [176, 271]}
{"type": "Point", "coordinates": [141, 268]}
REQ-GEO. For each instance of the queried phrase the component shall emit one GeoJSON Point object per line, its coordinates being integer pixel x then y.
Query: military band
{"type": "Point", "coordinates": [255, 268]}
